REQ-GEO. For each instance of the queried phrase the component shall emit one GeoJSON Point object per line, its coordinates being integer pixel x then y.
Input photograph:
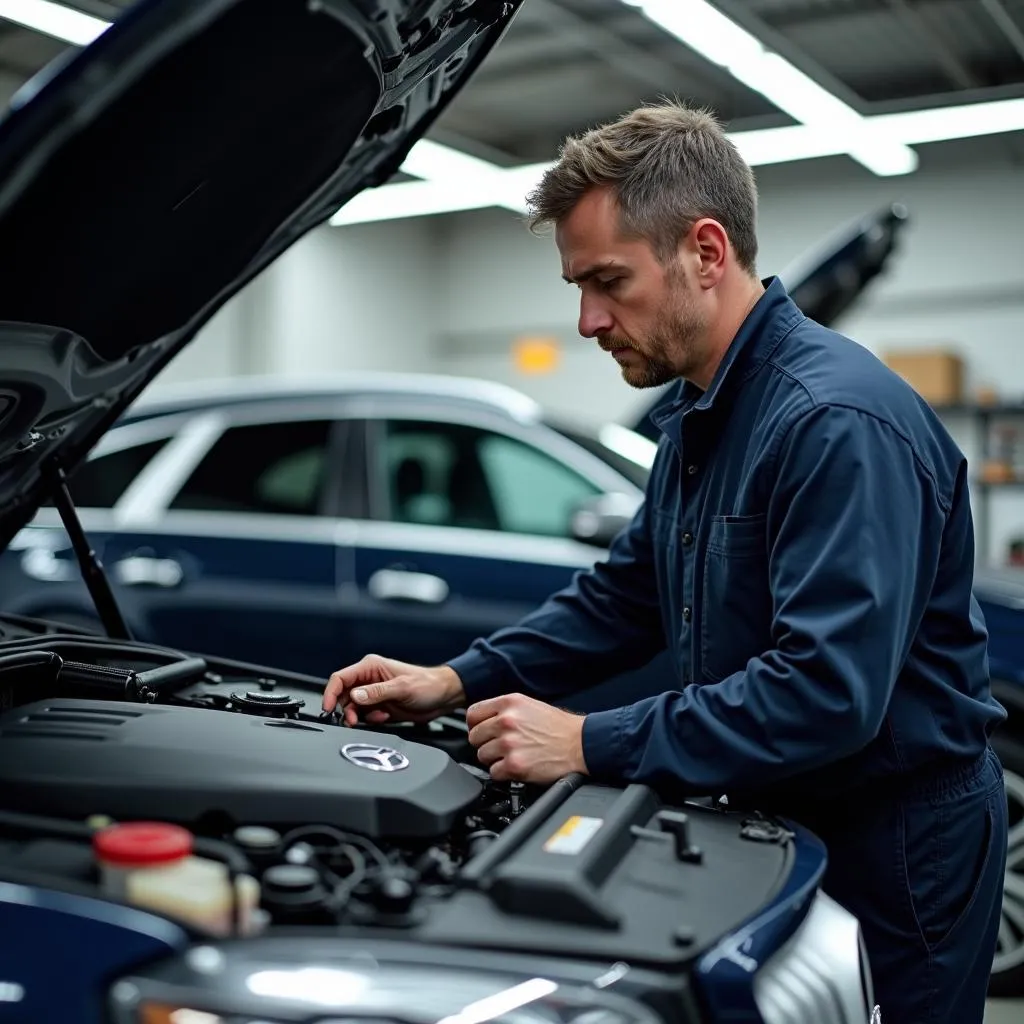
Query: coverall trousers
{"type": "Point", "coordinates": [923, 870]}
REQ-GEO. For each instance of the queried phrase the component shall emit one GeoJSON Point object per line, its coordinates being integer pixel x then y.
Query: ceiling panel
{"type": "Point", "coordinates": [568, 64]}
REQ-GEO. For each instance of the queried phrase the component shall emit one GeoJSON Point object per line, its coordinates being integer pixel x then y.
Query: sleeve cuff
{"type": "Point", "coordinates": [603, 749]}
{"type": "Point", "coordinates": [482, 676]}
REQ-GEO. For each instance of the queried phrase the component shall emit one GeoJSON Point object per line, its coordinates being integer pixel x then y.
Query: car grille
{"type": "Point", "coordinates": [821, 974]}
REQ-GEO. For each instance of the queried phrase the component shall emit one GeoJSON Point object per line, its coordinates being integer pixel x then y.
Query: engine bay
{"type": "Point", "coordinates": [377, 830]}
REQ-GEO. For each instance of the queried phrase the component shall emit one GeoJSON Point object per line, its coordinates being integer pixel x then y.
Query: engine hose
{"type": "Point", "coordinates": [21, 660]}
{"type": "Point", "coordinates": [54, 828]}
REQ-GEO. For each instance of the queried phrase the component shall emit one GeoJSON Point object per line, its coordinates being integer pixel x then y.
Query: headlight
{"type": "Point", "coordinates": [300, 980]}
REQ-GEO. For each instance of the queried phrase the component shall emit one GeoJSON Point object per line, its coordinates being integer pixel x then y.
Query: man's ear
{"type": "Point", "coordinates": [710, 245]}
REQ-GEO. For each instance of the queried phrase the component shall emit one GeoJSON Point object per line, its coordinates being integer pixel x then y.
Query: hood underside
{"type": "Point", "coordinates": [147, 179]}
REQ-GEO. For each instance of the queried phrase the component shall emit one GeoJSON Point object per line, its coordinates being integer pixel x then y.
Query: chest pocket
{"type": "Point", "coordinates": [736, 611]}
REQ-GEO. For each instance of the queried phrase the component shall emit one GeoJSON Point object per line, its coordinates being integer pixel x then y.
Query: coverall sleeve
{"type": "Point", "coordinates": [606, 621]}
{"type": "Point", "coordinates": [849, 576]}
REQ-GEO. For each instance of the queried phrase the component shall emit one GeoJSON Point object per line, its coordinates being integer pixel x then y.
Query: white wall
{"type": "Point", "coordinates": [218, 351]}
{"type": "Point", "coordinates": [362, 298]}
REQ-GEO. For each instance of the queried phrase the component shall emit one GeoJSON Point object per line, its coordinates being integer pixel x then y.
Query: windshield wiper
{"type": "Point", "coordinates": [88, 561]}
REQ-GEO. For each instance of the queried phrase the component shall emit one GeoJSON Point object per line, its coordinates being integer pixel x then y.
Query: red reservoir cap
{"type": "Point", "coordinates": [142, 844]}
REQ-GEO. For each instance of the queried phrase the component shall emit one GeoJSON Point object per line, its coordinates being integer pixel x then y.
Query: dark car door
{"type": "Point", "coordinates": [468, 529]}
{"type": "Point", "coordinates": [244, 561]}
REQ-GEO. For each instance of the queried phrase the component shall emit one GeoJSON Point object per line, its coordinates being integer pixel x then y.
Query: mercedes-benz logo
{"type": "Point", "coordinates": [376, 759]}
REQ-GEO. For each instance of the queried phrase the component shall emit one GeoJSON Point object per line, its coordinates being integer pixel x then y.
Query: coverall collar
{"type": "Point", "coordinates": [774, 315]}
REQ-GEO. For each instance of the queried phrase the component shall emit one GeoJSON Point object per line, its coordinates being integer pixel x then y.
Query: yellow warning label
{"type": "Point", "coordinates": [573, 834]}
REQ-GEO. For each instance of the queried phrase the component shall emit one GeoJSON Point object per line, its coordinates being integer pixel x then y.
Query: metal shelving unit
{"type": "Point", "coordinates": [983, 418]}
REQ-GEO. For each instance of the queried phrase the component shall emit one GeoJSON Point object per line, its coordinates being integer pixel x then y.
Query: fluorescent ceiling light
{"type": "Point", "coordinates": [912, 127]}
{"type": "Point", "coordinates": [784, 145]}
{"type": "Point", "coordinates": [463, 173]}
{"type": "Point", "coordinates": [759, 148]}
{"type": "Point", "coordinates": [420, 199]}
{"type": "Point", "coordinates": [496, 186]}
{"type": "Point", "coordinates": [943, 124]}
{"type": "Point", "coordinates": [431, 161]}
{"type": "Point", "coordinates": [55, 20]}
{"type": "Point", "coordinates": [707, 31]}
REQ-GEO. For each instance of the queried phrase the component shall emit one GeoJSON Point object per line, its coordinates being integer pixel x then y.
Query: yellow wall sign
{"type": "Point", "coordinates": [536, 355]}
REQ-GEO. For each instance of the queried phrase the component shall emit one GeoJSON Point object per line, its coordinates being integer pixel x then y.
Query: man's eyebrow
{"type": "Point", "coordinates": [592, 271]}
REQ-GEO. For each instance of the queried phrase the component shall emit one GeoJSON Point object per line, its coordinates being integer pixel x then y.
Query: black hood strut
{"type": "Point", "coordinates": [92, 568]}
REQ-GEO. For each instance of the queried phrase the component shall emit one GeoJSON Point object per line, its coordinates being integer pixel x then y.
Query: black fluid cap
{"type": "Point", "coordinates": [394, 894]}
{"type": "Point", "coordinates": [257, 838]}
{"type": "Point", "coordinates": [292, 885]}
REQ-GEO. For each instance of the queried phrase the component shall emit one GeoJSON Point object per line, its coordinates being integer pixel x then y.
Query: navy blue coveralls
{"type": "Point", "coordinates": [806, 553]}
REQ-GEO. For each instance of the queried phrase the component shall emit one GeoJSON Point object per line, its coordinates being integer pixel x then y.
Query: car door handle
{"type": "Point", "coordinates": [404, 585]}
{"type": "Point", "coordinates": [143, 571]}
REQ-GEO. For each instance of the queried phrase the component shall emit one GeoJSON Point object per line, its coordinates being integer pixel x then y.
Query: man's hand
{"type": "Point", "coordinates": [393, 691]}
{"type": "Point", "coordinates": [525, 740]}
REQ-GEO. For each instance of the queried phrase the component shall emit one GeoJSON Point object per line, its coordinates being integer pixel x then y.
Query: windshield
{"type": "Point", "coordinates": [626, 451]}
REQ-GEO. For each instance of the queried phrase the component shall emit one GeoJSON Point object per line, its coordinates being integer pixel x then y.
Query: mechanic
{"type": "Point", "coordinates": [805, 551]}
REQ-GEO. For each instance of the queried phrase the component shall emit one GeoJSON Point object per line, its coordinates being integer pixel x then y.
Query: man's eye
{"type": "Point", "coordinates": [609, 282]}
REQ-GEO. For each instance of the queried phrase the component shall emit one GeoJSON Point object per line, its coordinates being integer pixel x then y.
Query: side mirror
{"type": "Point", "coordinates": [599, 520]}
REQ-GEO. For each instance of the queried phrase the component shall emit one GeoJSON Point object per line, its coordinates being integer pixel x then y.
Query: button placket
{"type": "Point", "coordinates": [687, 539]}
{"type": "Point", "coordinates": [694, 457]}
{"type": "Point", "coordinates": [687, 612]}
{"type": "Point", "coordinates": [688, 490]}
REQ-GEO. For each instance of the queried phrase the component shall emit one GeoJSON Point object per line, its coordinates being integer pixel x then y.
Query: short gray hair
{"type": "Point", "coordinates": [668, 166]}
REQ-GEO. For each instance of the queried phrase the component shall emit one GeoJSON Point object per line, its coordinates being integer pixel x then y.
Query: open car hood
{"type": "Point", "coordinates": [148, 178]}
{"type": "Point", "coordinates": [828, 279]}
{"type": "Point", "coordinates": [824, 282]}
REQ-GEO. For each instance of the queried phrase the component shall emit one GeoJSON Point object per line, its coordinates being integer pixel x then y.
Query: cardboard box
{"type": "Point", "coordinates": [937, 375]}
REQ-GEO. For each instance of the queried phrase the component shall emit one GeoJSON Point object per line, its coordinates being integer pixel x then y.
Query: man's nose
{"type": "Point", "coordinates": [594, 318]}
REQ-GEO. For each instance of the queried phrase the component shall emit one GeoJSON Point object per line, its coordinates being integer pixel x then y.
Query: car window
{"type": "Point", "coordinates": [100, 482]}
{"type": "Point", "coordinates": [630, 453]}
{"type": "Point", "coordinates": [275, 468]}
{"type": "Point", "coordinates": [449, 474]}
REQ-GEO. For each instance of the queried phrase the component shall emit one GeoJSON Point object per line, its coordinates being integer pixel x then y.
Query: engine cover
{"type": "Point", "coordinates": [73, 758]}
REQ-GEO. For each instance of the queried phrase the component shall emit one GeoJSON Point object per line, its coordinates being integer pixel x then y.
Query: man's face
{"type": "Point", "coordinates": [649, 316]}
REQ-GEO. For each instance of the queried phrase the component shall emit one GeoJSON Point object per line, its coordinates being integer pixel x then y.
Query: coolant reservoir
{"type": "Point", "coordinates": [151, 865]}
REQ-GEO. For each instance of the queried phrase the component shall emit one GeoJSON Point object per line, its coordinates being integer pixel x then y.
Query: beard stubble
{"type": "Point", "coordinates": [668, 351]}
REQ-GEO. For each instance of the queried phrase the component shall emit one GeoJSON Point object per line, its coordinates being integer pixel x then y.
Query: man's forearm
{"type": "Point", "coordinates": [454, 690]}
{"type": "Point", "coordinates": [605, 622]}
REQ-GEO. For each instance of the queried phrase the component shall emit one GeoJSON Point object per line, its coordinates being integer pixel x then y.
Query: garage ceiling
{"type": "Point", "coordinates": [568, 64]}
